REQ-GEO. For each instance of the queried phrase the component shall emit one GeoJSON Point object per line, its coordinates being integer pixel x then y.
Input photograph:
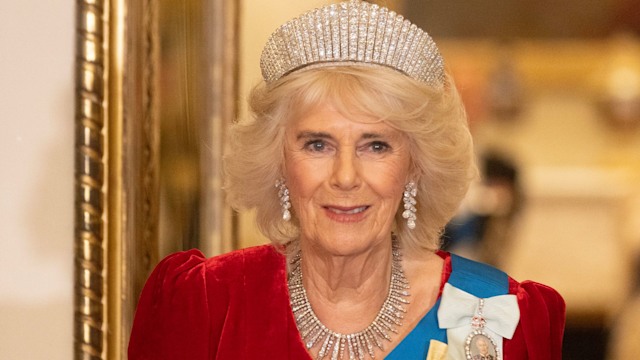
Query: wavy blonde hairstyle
{"type": "Point", "coordinates": [433, 120]}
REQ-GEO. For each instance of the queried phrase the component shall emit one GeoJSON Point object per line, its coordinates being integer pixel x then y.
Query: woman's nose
{"type": "Point", "coordinates": [346, 171]}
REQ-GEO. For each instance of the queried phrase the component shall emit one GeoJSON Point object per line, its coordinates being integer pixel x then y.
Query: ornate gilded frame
{"type": "Point", "coordinates": [117, 160]}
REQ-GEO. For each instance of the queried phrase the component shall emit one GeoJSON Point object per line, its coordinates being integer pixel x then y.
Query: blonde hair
{"type": "Point", "coordinates": [433, 121]}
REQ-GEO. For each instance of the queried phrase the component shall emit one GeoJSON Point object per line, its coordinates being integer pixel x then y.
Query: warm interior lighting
{"type": "Point", "coordinates": [620, 97]}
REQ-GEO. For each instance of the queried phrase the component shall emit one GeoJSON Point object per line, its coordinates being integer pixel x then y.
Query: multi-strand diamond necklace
{"type": "Point", "coordinates": [355, 345]}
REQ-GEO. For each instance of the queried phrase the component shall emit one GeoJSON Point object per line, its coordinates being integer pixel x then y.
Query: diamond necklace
{"type": "Point", "coordinates": [356, 345]}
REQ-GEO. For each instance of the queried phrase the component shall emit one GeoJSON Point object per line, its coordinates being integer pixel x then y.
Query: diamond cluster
{"type": "Point", "coordinates": [352, 32]}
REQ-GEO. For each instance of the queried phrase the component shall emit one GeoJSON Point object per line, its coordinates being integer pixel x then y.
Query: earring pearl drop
{"type": "Point", "coordinates": [409, 200]}
{"type": "Point", "coordinates": [283, 194]}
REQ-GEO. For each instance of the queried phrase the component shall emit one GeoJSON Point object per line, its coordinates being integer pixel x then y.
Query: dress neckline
{"type": "Point", "coordinates": [428, 322]}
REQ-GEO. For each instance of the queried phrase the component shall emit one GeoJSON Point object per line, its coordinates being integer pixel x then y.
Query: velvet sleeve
{"type": "Point", "coordinates": [542, 317]}
{"type": "Point", "coordinates": [172, 319]}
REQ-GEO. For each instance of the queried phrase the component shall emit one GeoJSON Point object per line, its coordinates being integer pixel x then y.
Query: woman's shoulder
{"type": "Point", "coordinates": [532, 289]}
{"type": "Point", "coordinates": [542, 317]}
{"type": "Point", "coordinates": [188, 271]}
{"type": "Point", "coordinates": [185, 301]}
{"type": "Point", "coordinates": [485, 273]}
{"type": "Point", "coordinates": [183, 264]}
{"type": "Point", "coordinates": [541, 308]}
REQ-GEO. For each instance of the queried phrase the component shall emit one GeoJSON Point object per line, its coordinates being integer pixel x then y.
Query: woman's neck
{"type": "Point", "coordinates": [346, 292]}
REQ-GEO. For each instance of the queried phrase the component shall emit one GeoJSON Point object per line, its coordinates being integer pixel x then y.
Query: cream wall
{"type": "Point", "coordinates": [36, 186]}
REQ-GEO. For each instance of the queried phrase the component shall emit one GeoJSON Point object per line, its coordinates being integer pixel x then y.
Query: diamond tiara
{"type": "Point", "coordinates": [352, 33]}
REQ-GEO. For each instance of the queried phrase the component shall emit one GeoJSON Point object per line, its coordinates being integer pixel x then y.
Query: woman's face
{"type": "Point", "coordinates": [346, 177]}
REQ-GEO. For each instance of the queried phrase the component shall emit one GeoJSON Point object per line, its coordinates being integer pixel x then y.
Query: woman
{"type": "Point", "coordinates": [364, 136]}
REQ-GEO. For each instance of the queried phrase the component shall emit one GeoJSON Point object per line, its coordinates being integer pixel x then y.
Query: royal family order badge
{"type": "Point", "coordinates": [479, 345]}
{"type": "Point", "coordinates": [475, 326]}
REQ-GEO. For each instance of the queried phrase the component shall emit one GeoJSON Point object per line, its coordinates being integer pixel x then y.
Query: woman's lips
{"type": "Point", "coordinates": [346, 214]}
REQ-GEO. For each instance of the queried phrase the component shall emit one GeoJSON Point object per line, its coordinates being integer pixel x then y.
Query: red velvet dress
{"type": "Point", "coordinates": [236, 306]}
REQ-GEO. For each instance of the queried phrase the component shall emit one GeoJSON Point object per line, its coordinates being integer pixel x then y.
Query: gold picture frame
{"type": "Point", "coordinates": [118, 187]}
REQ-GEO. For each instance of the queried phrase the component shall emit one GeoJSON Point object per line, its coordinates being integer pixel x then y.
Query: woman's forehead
{"type": "Point", "coordinates": [326, 121]}
{"type": "Point", "coordinates": [329, 110]}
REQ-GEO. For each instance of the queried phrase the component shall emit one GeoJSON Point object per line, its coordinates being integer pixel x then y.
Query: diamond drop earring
{"type": "Point", "coordinates": [409, 200]}
{"type": "Point", "coordinates": [283, 194]}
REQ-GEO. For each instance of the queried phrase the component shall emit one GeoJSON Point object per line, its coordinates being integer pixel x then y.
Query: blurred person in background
{"type": "Point", "coordinates": [483, 226]}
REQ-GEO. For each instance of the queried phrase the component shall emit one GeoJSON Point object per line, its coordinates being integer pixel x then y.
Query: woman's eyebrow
{"type": "Point", "coordinates": [372, 136]}
{"type": "Point", "coordinates": [324, 135]}
{"type": "Point", "coordinates": [313, 134]}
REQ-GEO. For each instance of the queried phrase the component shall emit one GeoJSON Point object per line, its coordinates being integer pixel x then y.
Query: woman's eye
{"type": "Point", "coordinates": [315, 145]}
{"type": "Point", "coordinates": [379, 146]}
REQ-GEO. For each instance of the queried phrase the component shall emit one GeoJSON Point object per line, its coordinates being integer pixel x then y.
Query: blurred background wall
{"type": "Point", "coordinates": [36, 185]}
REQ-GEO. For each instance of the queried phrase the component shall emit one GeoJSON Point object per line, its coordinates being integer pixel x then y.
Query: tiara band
{"type": "Point", "coordinates": [352, 33]}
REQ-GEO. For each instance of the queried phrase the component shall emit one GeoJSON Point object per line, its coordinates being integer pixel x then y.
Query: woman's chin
{"type": "Point", "coordinates": [341, 246]}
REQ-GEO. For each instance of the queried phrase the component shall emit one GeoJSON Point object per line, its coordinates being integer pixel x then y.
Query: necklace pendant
{"type": "Point", "coordinates": [337, 349]}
